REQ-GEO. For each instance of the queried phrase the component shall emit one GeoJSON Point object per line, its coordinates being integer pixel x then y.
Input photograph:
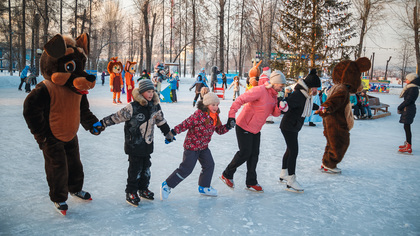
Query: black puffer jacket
{"type": "Point", "coordinates": [408, 107]}
{"type": "Point", "coordinates": [292, 120]}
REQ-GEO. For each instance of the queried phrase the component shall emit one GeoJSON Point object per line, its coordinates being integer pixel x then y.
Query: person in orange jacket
{"type": "Point", "coordinates": [115, 80]}
{"type": "Point", "coordinates": [130, 70]}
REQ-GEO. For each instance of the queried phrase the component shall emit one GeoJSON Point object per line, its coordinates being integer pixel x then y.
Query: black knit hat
{"type": "Point", "coordinates": [144, 85]}
{"type": "Point", "coordinates": [312, 80]}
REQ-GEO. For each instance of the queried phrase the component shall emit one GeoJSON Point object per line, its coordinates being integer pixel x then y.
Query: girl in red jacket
{"type": "Point", "coordinates": [201, 126]}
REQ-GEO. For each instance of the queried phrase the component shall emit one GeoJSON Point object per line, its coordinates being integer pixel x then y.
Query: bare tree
{"type": "Point", "coordinates": [368, 15]}
{"type": "Point", "coordinates": [405, 58]}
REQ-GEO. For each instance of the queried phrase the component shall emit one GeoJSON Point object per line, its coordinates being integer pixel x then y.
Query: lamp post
{"type": "Point", "coordinates": [38, 55]}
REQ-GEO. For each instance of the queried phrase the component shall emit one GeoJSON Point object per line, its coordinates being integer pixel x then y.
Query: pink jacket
{"type": "Point", "coordinates": [260, 102]}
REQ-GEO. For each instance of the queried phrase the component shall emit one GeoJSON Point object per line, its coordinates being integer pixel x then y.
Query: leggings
{"type": "Point", "coordinates": [407, 129]}
{"type": "Point", "coordinates": [292, 150]}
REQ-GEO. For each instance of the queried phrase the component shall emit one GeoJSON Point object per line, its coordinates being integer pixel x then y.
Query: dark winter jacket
{"type": "Point", "coordinates": [292, 120]}
{"type": "Point", "coordinates": [199, 83]}
{"type": "Point", "coordinates": [200, 129]}
{"type": "Point", "coordinates": [140, 117]}
{"type": "Point", "coordinates": [408, 107]}
{"type": "Point", "coordinates": [214, 73]}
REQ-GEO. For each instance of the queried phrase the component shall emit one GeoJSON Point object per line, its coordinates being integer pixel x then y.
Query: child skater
{"type": "Point", "coordinates": [139, 116]}
{"type": "Point", "coordinates": [198, 84]}
{"type": "Point", "coordinates": [300, 106]}
{"type": "Point", "coordinates": [236, 88]}
{"type": "Point", "coordinates": [201, 126]}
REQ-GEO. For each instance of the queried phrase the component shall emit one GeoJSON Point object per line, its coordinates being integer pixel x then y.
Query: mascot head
{"type": "Point", "coordinates": [63, 62]}
{"type": "Point", "coordinates": [348, 72]}
{"type": "Point", "coordinates": [130, 66]}
{"type": "Point", "coordinates": [114, 66]}
{"type": "Point", "coordinates": [254, 72]}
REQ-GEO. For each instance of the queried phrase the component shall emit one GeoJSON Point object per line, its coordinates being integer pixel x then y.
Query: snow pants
{"type": "Point", "coordinates": [338, 140]}
{"type": "Point", "coordinates": [249, 150]}
{"type": "Point", "coordinates": [187, 166]}
{"type": "Point", "coordinates": [174, 98]}
{"type": "Point", "coordinates": [292, 150]}
{"type": "Point", "coordinates": [138, 173]}
{"type": "Point", "coordinates": [63, 167]}
{"type": "Point", "coordinates": [129, 95]}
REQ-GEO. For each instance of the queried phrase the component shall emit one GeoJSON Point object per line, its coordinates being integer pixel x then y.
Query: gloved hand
{"type": "Point", "coordinates": [170, 136]}
{"type": "Point", "coordinates": [230, 123]}
{"type": "Point", "coordinates": [321, 111]}
{"type": "Point", "coordinates": [283, 106]}
{"type": "Point", "coordinates": [112, 88]}
{"type": "Point", "coordinates": [129, 87]}
{"type": "Point", "coordinates": [190, 89]}
{"type": "Point", "coordinates": [97, 128]}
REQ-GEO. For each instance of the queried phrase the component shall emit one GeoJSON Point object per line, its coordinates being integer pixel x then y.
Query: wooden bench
{"type": "Point", "coordinates": [377, 106]}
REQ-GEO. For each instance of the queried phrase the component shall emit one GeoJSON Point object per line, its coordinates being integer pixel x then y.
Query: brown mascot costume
{"type": "Point", "coordinates": [337, 113]}
{"type": "Point", "coordinates": [55, 109]}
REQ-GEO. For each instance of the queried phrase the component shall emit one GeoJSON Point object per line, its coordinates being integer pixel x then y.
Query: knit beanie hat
{"type": "Point", "coordinates": [210, 98]}
{"type": "Point", "coordinates": [277, 77]}
{"type": "Point", "coordinates": [411, 77]}
{"type": "Point", "coordinates": [144, 85]}
{"type": "Point", "coordinates": [312, 80]}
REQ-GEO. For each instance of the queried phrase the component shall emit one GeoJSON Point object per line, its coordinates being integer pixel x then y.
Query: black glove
{"type": "Point", "coordinates": [170, 136]}
{"type": "Point", "coordinates": [97, 128]}
{"type": "Point", "coordinates": [230, 123]}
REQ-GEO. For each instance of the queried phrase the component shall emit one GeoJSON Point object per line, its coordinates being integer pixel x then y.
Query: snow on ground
{"type": "Point", "coordinates": [377, 193]}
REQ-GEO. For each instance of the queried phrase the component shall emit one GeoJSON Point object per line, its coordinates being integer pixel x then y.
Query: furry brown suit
{"type": "Point", "coordinates": [337, 115]}
{"type": "Point", "coordinates": [55, 109]}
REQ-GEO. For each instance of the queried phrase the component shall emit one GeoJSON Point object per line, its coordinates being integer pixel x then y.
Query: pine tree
{"type": "Point", "coordinates": [312, 31]}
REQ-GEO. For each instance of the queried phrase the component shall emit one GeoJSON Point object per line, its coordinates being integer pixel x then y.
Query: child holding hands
{"type": "Point", "coordinates": [139, 116]}
{"type": "Point", "coordinates": [201, 126]}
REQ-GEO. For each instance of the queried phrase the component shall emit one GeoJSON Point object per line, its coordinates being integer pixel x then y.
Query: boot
{"type": "Point", "coordinates": [403, 146]}
{"type": "Point", "coordinates": [293, 185]}
{"type": "Point", "coordinates": [284, 175]}
{"type": "Point", "coordinates": [194, 103]}
{"type": "Point", "coordinates": [407, 149]}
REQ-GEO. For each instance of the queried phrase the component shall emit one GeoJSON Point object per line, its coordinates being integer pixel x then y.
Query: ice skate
{"type": "Point", "coordinates": [82, 195]}
{"type": "Point", "coordinates": [328, 170]}
{"type": "Point", "coordinates": [293, 185]}
{"type": "Point", "coordinates": [61, 207]}
{"type": "Point", "coordinates": [165, 190]}
{"type": "Point", "coordinates": [147, 194]}
{"type": "Point", "coordinates": [228, 182]}
{"type": "Point", "coordinates": [255, 188]}
{"type": "Point", "coordinates": [284, 175]}
{"type": "Point", "coordinates": [210, 191]}
{"type": "Point", "coordinates": [403, 146]}
{"type": "Point", "coordinates": [406, 150]}
{"type": "Point", "coordinates": [132, 199]}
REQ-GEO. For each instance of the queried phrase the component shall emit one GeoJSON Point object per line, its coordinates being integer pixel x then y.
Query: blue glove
{"type": "Point", "coordinates": [170, 136]}
{"type": "Point", "coordinates": [97, 128]}
{"type": "Point", "coordinates": [230, 123]}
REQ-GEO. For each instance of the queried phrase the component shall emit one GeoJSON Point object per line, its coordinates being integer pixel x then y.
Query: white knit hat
{"type": "Point", "coordinates": [277, 77]}
{"type": "Point", "coordinates": [210, 98]}
{"type": "Point", "coordinates": [411, 76]}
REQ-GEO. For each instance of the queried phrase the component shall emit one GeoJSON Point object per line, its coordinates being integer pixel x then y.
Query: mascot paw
{"type": "Point", "coordinates": [97, 128]}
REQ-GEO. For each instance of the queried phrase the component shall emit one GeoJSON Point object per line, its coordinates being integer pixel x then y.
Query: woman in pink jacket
{"type": "Point", "coordinates": [260, 102]}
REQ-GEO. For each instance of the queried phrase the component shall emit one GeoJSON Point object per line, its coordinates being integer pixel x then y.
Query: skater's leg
{"type": "Point", "coordinates": [207, 168]}
{"type": "Point", "coordinates": [407, 129]}
{"type": "Point", "coordinates": [135, 165]}
{"type": "Point", "coordinates": [145, 173]}
{"type": "Point", "coordinates": [75, 167]}
{"type": "Point", "coordinates": [185, 168]}
{"type": "Point", "coordinates": [339, 141]}
{"type": "Point", "coordinates": [251, 164]}
{"type": "Point", "coordinates": [291, 139]}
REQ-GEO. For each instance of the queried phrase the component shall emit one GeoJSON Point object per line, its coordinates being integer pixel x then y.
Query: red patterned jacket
{"type": "Point", "coordinates": [200, 129]}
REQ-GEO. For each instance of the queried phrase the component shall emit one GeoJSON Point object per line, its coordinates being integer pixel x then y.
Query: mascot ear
{"type": "Point", "coordinates": [363, 64]}
{"type": "Point", "coordinates": [83, 42]}
{"type": "Point", "coordinates": [56, 47]}
{"type": "Point", "coordinates": [127, 66]}
{"type": "Point", "coordinates": [258, 65]}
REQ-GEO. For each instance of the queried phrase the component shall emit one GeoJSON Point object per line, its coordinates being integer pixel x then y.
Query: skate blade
{"type": "Point", "coordinates": [79, 198]}
{"type": "Point", "coordinates": [282, 181]}
{"type": "Point", "coordinates": [131, 204]}
{"type": "Point", "coordinates": [293, 190]}
{"type": "Point", "coordinates": [226, 183]}
{"type": "Point", "coordinates": [329, 172]}
{"type": "Point", "coordinates": [62, 212]}
{"type": "Point", "coordinates": [149, 199]}
{"type": "Point", "coordinates": [253, 190]}
{"type": "Point", "coordinates": [406, 153]}
{"type": "Point", "coordinates": [206, 195]}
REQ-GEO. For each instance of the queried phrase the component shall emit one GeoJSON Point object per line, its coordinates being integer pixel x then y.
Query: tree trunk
{"type": "Point", "coordinates": [416, 36]}
{"type": "Point", "coordinates": [37, 19]}
{"type": "Point", "coordinates": [10, 40]}
{"type": "Point", "coordinates": [46, 22]}
{"type": "Point", "coordinates": [363, 29]}
{"type": "Point", "coordinates": [163, 30]}
{"type": "Point", "coordinates": [33, 42]}
{"type": "Point", "coordinates": [194, 35]}
{"type": "Point", "coordinates": [23, 36]}
{"type": "Point", "coordinates": [83, 22]}
{"type": "Point", "coordinates": [313, 32]}
{"type": "Point", "coordinates": [185, 37]}
{"type": "Point", "coordinates": [240, 41]}
{"type": "Point", "coordinates": [228, 34]}
{"type": "Point", "coordinates": [270, 35]}
{"type": "Point", "coordinates": [61, 17]}
{"type": "Point", "coordinates": [75, 19]}
{"type": "Point", "coordinates": [222, 4]}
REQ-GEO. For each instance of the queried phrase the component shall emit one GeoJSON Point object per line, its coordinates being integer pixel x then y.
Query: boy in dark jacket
{"type": "Point", "coordinates": [300, 106]}
{"type": "Point", "coordinates": [199, 83]}
{"type": "Point", "coordinates": [139, 116]}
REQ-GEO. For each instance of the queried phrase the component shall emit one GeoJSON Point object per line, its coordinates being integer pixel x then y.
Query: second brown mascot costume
{"type": "Point", "coordinates": [337, 113]}
{"type": "Point", "coordinates": [54, 111]}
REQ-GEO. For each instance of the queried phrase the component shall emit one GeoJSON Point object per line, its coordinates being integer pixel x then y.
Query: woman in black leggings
{"type": "Point", "coordinates": [407, 108]}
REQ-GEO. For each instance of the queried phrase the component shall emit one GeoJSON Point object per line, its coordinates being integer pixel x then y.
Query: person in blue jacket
{"type": "Point", "coordinates": [173, 81]}
{"type": "Point", "coordinates": [23, 76]}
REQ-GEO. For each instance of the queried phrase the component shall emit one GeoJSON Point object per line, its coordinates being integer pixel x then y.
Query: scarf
{"type": "Point", "coordinates": [214, 117]}
{"type": "Point", "coordinates": [307, 111]}
{"type": "Point", "coordinates": [407, 87]}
